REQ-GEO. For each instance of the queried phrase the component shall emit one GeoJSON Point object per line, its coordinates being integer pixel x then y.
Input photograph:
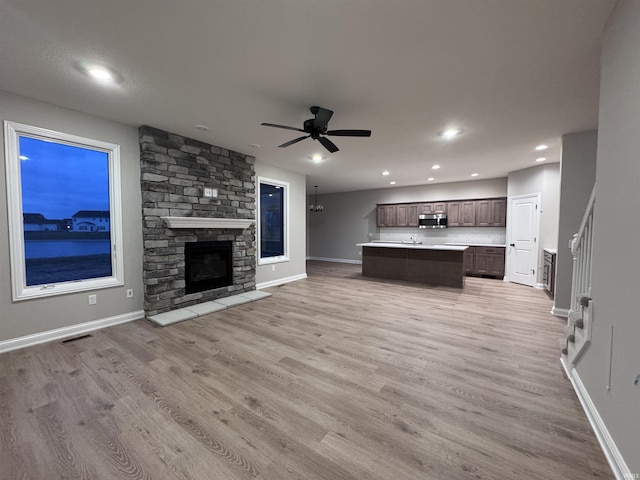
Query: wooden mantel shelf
{"type": "Point", "coordinates": [204, 222]}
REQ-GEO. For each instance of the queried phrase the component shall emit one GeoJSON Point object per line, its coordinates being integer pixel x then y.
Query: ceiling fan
{"type": "Point", "coordinates": [317, 127]}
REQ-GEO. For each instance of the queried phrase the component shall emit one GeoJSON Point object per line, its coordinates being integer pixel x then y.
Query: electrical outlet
{"type": "Point", "coordinates": [93, 299]}
{"type": "Point", "coordinates": [130, 293]}
{"type": "Point", "coordinates": [273, 268]}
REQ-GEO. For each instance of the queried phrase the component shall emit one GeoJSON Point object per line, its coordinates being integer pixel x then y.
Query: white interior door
{"type": "Point", "coordinates": [523, 239]}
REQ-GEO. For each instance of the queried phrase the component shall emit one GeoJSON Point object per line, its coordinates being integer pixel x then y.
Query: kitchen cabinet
{"type": "Point", "coordinates": [549, 272]}
{"type": "Point", "coordinates": [432, 265]}
{"type": "Point", "coordinates": [491, 212]}
{"type": "Point", "coordinates": [484, 261]}
{"type": "Point", "coordinates": [469, 260]}
{"type": "Point", "coordinates": [461, 214]}
{"type": "Point", "coordinates": [386, 215]}
{"type": "Point", "coordinates": [407, 215]}
{"type": "Point", "coordinates": [489, 261]}
{"type": "Point", "coordinates": [434, 207]}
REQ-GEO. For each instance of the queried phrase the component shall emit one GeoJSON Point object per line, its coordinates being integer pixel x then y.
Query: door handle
{"type": "Point", "coordinates": [512, 244]}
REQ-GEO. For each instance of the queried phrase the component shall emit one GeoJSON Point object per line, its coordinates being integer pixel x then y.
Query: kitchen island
{"type": "Point", "coordinates": [440, 265]}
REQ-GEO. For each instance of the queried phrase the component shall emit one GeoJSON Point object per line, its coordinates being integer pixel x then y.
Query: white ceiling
{"type": "Point", "coordinates": [512, 73]}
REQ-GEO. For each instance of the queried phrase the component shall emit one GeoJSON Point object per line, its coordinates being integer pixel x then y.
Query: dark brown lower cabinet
{"type": "Point", "coordinates": [433, 267]}
{"type": "Point", "coordinates": [485, 261]}
{"type": "Point", "coordinates": [469, 260]}
{"type": "Point", "coordinates": [549, 273]}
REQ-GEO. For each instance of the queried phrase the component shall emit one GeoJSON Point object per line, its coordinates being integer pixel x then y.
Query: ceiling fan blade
{"type": "Point", "coordinates": [322, 118]}
{"type": "Point", "coordinates": [349, 133]}
{"type": "Point", "coordinates": [295, 140]}
{"type": "Point", "coordinates": [282, 126]}
{"type": "Point", "coordinates": [328, 144]}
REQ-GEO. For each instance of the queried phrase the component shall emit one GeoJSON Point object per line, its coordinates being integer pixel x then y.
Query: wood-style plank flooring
{"type": "Point", "coordinates": [333, 377]}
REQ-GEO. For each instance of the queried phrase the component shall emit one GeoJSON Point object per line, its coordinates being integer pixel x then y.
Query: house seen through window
{"type": "Point", "coordinates": [62, 216]}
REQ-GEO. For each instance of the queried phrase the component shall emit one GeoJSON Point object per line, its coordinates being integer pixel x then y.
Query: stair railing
{"type": "Point", "coordinates": [580, 312]}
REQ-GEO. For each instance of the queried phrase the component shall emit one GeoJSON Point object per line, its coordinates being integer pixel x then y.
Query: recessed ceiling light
{"type": "Point", "coordinates": [386, 172]}
{"type": "Point", "coordinates": [204, 128]}
{"type": "Point", "coordinates": [541, 147]}
{"type": "Point", "coordinates": [430, 179]}
{"type": "Point", "coordinates": [435, 167]}
{"type": "Point", "coordinates": [540, 159]}
{"type": "Point", "coordinates": [100, 73]}
{"type": "Point", "coordinates": [475, 174]}
{"type": "Point", "coordinates": [392, 183]}
{"type": "Point", "coordinates": [449, 133]}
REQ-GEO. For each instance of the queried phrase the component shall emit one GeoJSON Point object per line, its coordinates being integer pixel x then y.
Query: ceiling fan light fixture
{"type": "Point", "coordinates": [317, 129]}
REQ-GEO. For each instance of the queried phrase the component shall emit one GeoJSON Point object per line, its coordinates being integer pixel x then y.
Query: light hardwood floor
{"type": "Point", "coordinates": [334, 377]}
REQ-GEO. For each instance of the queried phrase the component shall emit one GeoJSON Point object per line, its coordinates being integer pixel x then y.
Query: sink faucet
{"type": "Point", "coordinates": [412, 238]}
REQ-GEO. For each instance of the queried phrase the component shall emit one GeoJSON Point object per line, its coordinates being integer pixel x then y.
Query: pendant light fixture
{"type": "Point", "coordinates": [316, 207]}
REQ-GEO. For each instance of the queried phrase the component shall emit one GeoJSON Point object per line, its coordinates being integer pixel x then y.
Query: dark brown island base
{"type": "Point", "coordinates": [439, 265]}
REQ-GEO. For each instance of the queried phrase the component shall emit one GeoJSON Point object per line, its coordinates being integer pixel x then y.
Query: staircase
{"type": "Point", "coordinates": [580, 314]}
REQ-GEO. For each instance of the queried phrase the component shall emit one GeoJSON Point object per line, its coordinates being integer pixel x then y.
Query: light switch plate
{"type": "Point", "coordinates": [210, 192]}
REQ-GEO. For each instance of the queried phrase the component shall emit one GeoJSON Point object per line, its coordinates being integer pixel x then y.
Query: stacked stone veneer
{"type": "Point", "coordinates": [174, 172]}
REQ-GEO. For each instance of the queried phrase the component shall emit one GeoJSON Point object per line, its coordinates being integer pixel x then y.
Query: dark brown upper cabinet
{"type": "Point", "coordinates": [461, 214]}
{"type": "Point", "coordinates": [491, 212]}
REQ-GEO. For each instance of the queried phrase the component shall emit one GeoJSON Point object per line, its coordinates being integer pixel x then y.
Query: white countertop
{"type": "Point", "coordinates": [479, 244]}
{"type": "Point", "coordinates": [551, 250]}
{"type": "Point", "coordinates": [417, 246]}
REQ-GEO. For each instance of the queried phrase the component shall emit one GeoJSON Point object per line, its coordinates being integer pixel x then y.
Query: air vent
{"type": "Point", "coordinates": [75, 339]}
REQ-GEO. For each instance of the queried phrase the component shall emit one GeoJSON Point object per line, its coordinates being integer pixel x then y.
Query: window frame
{"type": "Point", "coordinates": [285, 219]}
{"type": "Point", "coordinates": [20, 291]}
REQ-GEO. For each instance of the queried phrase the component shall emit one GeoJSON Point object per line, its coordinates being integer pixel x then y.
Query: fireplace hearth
{"type": "Point", "coordinates": [208, 265]}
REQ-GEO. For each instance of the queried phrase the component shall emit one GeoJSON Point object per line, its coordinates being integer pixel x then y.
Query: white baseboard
{"type": "Point", "coordinates": [560, 312]}
{"type": "Point", "coordinates": [611, 452]}
{"type": "Point", "coordinates": [336, 260]}
{"type": "Point", "coordinates": [71, 331]}
{"type": "Point", "coordinates": [280, 281]}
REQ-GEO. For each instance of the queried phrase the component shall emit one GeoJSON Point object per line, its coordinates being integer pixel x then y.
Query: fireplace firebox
{"type": "Point", "coordinates": [208, 265]}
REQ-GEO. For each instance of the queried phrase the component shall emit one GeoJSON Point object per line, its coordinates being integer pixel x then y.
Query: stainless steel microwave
{"type": "Point", "coordinates": [436, 220]}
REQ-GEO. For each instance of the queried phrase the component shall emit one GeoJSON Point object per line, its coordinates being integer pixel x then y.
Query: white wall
{"type": "Point", "coordinates": [578, 174]}
{"type": "Point", "coordinates": [616, 263]}
{"type": "Point", "coordinates": [350, 218]}
{"type": "Point", "coordinates": [29, 317]}
{"type": "Point", "coordinates": [296, 267]}
{"type": "Point", "coordinates": [543, 179]}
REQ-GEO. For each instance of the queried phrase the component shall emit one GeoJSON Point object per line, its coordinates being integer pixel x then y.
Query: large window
{"type": "Point", "coordinates": [273, 227]}
{"type": "Point", "coordinates": [64, 212]}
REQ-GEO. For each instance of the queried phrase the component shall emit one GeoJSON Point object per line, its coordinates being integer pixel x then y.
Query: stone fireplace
{"type": "Point", "coordinates": [194, 195]}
